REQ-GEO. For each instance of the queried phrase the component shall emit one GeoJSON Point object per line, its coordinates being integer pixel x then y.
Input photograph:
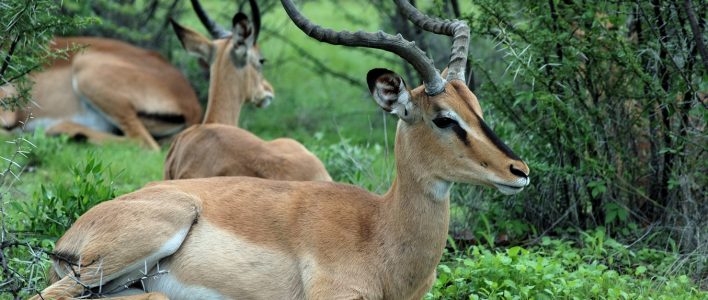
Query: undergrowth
{"type": "Point", "coordinates": [556, 269]}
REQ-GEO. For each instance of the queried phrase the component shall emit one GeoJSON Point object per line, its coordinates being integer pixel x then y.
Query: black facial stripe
{"type": "Point", "coordinates": [491, 135]}
{"type": "Point", "coordinates": [459, 131]}
{"type": "Point", "coordinates": [461, 134]}
{"type": "Point", "coordinates": [497, 142]}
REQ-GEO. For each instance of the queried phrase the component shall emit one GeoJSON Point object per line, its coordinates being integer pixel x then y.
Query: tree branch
{"type": "Point", "coordinates": [697, 32]}
{"type": "Point", "coordinates": [321, 67]}
{"type": "Point", "coordinates": [8, 57]}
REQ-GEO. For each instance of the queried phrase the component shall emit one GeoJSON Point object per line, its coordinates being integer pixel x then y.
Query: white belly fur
{"type": "Point", "coordinates": [87, 116]}
{"type": "Point", "coordinates": [169, 285]}
{"type": "Point", "coordinates": [93, 119]}
{"type": "Point", "coordinates": [214, 264]}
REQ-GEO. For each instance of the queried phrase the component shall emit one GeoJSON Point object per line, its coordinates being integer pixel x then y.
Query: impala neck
{"type": "Point", "coordinates": [417, 221]}
{"type": "Point", "coordinates": [225, 93]}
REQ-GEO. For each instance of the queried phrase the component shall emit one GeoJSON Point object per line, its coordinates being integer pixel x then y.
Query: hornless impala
{"type": "Point", "coordinates": [105, 88]}
{"type": "Point", "coordinates": [218, 147]}
{"type": "Point", "coordinates": [249, 238]}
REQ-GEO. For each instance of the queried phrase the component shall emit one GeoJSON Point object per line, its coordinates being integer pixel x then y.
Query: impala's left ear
{"type": "Point", "coordinates": [391, 94]}
{"type": "Point", "coordinates": [243, 38]}
{"type": "Point", "coordinates": [194, 42]}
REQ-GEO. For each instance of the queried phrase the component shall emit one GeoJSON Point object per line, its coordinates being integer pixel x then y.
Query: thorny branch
{"type": "Point", "coordinates": [11, 276]}
{"type": "Point", "coordinates": [8, 56]}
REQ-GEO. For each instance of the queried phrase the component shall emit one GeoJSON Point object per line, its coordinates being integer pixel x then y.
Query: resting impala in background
{"type": "Point", "coordinates": [106, 88]}
{"type": "Point", "coordinates": [249, 238]}
{"type": "Point", "coordinates": [218, 147]}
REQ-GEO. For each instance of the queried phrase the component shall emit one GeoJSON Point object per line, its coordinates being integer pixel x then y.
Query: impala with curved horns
{"type": "Point", "coordinates": [106, 89]}
{"type": "Point", "coordinates": [218, 147]}
{"type": "Point", "coordinates": [249, 238]}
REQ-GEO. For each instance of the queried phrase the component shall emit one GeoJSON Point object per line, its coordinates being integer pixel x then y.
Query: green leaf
{"type": "Point", "coordinates": [640, 270]}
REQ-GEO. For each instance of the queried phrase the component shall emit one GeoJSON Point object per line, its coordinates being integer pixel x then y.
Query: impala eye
{"type": "Point", "coordinates": [262, 61]}
{"type": "Point", "coordinates": [444, 122]}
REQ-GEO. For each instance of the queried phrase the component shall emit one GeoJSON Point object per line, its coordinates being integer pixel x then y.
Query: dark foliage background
{"type": "Point", "coordinates": [609, 101]}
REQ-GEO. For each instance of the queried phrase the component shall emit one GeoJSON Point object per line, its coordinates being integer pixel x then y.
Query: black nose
{"type": "Point", "coordinates": [517, 172]}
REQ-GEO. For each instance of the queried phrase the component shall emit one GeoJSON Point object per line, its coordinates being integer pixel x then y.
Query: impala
{"type": "Point", "coordinates": [105, 88]}
{"type": "Point", "coordinates": [218, 147]}
{"type": "Point", "coordinates": [250, 238]}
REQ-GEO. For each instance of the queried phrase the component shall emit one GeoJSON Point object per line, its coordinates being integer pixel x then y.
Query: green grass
{"type": "Point", "coordinates": [130, 165]}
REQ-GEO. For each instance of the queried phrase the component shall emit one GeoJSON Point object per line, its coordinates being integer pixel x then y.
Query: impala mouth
{"type": "Point", "coordinates": [263, 103]}
{"type": "Point", "coordinates": [509, 189]}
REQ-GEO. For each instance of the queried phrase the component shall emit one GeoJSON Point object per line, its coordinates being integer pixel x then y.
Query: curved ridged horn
{"type": "Point", "coordinates": [458, 30]}
{"type": "Point", "coordinates": [256, 19]}
{"type": "Point", "coordinates": [434, 84]}
{"type": "Point", "coordinates": [214, 29]}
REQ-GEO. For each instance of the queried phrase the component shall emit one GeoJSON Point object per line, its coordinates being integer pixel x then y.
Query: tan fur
{"type": "Point", "coordinates": [263, 239]}
{"type": "Point", "coordinates": [231, 87]}
{"type": "Point", "coordinates": [218, 147]}
{"type": "Point", "coordinates": [222, 150]}
{"type": "Point", "coordinates": [118, 81]}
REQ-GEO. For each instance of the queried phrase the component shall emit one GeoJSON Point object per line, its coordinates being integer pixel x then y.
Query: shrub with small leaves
{"type": "Point", "coordinates": [56, 206]}
{"type": "Point", "coordinates": [554, 270]}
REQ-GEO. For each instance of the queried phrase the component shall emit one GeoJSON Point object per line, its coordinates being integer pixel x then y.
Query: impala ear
{"type": "Point", "coordinates": [194, 42]}
{"type": "Point", "coordinates": [243, 38]}
{"type": "Point", "coordinates": [391, 94]}
{"type": "Point", "coordinates": [443, 74]}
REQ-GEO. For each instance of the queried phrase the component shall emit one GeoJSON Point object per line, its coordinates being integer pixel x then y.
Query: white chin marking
{"type": "Point", "coordinates": [508, 190]}
{"type": "Point", "coordinates": [264, 103]}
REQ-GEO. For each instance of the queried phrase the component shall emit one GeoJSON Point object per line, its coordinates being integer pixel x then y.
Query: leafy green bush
{"type": "Point", "coordinates": [554, 270]}
{"type": "Point", "coordinates": [350, 163]}
{"type": "Point", "coordinates": [609, 99]}
{"type": "Point", "coordinates": [37, 224]}
{"type": "Point", "coordinates": [57, 205]}
{"type": "Point", "coordinates": [480, 214]}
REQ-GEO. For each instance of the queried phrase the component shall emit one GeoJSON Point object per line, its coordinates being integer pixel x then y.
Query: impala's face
{"type": "Point", "coordinates": [235, 58]}
{"type": "Point", "coordinates": [449, 135]}
{"type": "Point", "coordinates": [247, 67]}
{"type": "Point", "coordinates": [263, 94]}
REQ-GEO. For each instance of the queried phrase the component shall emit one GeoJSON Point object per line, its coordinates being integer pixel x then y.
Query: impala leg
{"type": "Point", "coordinates": [325, 287]}
{"type": "Point", "coordinates": [119, 109]}
{"type": "Point", "coordinates": [80, 132]}
{"type": "Point", "coordinates": [113, 103]}
{"type": "Point", "coordinates": [135, 129]}
{"type": "Point", "coordinates": [67, 288]}
{"type": "Point", "coordinates": [144, 228]}
{"type": "Point", "coordinates": [423, 289]}
{"type": "Point", "coordinates": [148, 296]}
